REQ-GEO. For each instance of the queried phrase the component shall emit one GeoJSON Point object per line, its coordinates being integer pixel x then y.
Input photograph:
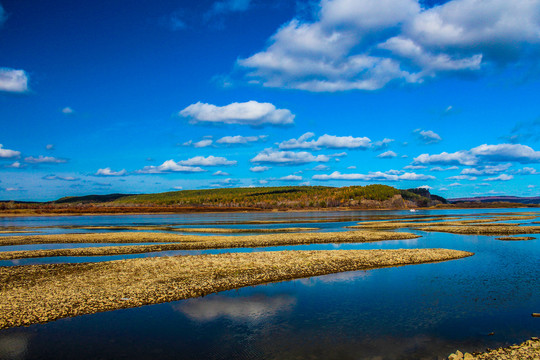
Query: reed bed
{"type": "Point", "coordinates": [199, 230]}
{"type": "Point", "coordinates": [515, 238]}
{"type": "Point", "coordinates": [181, 242]}
{"type": "Point", "coordinates": [42, 293]}
{"type": "Point", "coordinates": [484, 229]}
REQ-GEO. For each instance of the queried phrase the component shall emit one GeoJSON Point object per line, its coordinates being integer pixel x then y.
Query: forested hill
{"type": "Point", "coordinates": [288, 197]}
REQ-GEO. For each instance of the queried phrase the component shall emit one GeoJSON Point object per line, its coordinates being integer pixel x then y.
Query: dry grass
{"type": "Point", "coordinates": [484, 229]}
{"type": "Point", "coordinates": [515, 238]}
{"type": "Point", "coordinates": [42, 293]}
{"type": "Point", "coordinates": [182, 242]}
{"type": "Point", "coordinates": [198, 230]}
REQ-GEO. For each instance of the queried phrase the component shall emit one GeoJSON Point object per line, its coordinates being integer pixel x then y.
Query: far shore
{"type": "Point", "coordinates": [100, 211]}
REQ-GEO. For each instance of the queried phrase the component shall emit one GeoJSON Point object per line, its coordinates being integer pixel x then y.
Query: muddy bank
{"type": "Point", "coordinates": [42, 293]}
{"type": "Point", "coordinates": [484, 229]}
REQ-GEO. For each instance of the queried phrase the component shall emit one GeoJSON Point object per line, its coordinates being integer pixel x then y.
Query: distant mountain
{"type": "Point", "coordinates": [490, 199]}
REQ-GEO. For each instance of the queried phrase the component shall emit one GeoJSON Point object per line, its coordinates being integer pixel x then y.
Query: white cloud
{"type": "Point", "coordinates": [8, 154]}
{"type": "Point", "coordinates": [438, 168]}
{"type": "Point", "coordinates": [239, 139]}
{"type": "Point", "coordinates": [203, 143]}
{"type": "Point", "coordinates": [382, 143]}
{"type": "Point", "coordinates": [387, 155]}
{"type": "Point", "coordinates": [287, 157]}
{"type": "Point", "coordinates": [220, 173]}
{"type": "Point", "coordinates": [459, 157]}
{"type": "Point", "coordinates": [486, 170]}
{"type": "Point", "coordinates": [484, 153]}
{"type": "Point", "coordinates": [68, 111]}
{"type": "Point", "coordinates": [414, 167]}
{"type": "Point", "coordinates": [321, 167]}
{"type": "Point", "coordinates": [462, 177]}
{"type": "Point", "coordinates": [177, 187]}
{"type": "Point", "coordinates": [528, 171]}
{"type": "Point", "coordinates": [291, 178]}
{"type": "Point", "coordinates": [326, 141]}
{"type": "Point", "coordinates": [352, 167]}
{"type": "Point", "coordinates": [427, 187]}
{"type": "Point", "coordinates": [428, 136]}
{"type": "Point", "coordinates": [15, 165]}
{"type": "Point", "coordinates": [365, 44]}
{"type": "Point", "coordinates": [49, 147]}
{"type": "Point", "coordinates": [44, 160]}
{"type": "Point", "coordinates": [58, 177]}
{"type": "Point", "coordinates": [259, 168]}
{"type": "Point", "coordinates": [11, 80]}
{"type": "Point", "coordinates": [207, 161]}
{"type": "Point", "coordinates": [374, 176]}
{"type": "Point", "coordinates": [502, 177]}
{"type": "Point", "coordinates": [108, 172]}
{"type": "Point", "coordinates": [169, 166]}
{"type": "Point", "coordinates": [455, 184]}
{"type": "Point", "coordinates": [249, 113]}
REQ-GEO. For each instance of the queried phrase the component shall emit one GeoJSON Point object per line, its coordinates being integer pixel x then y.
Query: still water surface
{"type": "Point", "coordinates": [412, 312]}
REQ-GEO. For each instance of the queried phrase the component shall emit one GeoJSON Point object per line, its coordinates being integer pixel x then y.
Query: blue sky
{"type": "Point", "coordinates": [99, 97]}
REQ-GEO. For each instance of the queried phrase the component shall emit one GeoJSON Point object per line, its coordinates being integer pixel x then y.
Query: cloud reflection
{"type": "Point", "coordinates": [250, 308]}
{"type": "Point", "coordinates": [13, 346]}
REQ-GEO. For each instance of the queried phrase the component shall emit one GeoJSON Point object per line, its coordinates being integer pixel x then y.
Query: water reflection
{"type": "Point", "coordinates": [13, 346]}
{"type": "Point", "coordinates": [253, 308]}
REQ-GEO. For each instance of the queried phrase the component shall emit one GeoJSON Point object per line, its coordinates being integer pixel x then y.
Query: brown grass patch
{"type": "Point", "coordinates": [42, 293]}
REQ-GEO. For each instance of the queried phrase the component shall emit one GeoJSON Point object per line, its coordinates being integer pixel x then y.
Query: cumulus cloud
{"type": "Point", "coordinates": [484, 153]}
{"type": "Point", "coordinates": [387, 155]}
{"type": "Point", "coordinates": [44, 160]}
{"type": "Point", "coordinates": [108, 172]}
{"type": "Point", "coordinates": [239, 139]}
{"type": "Point", "coordinates": [502, 177]}
{"type": "Point", "coordinates": [428, 136]}
{"type": "Point", "coordinates": [326, 141]}
{"type": "Point", "coordinates": [207, 161]}
{"type": "Point", "coordinates": [365, 44]}
{"type": "Point", "coordinates": [527, 171]}
{"type": "Point", "coordinates": [382, 144]}
{"type": "Point", "coordinates": [203, 143]}
{"type": "Point", "coordinates": [14, 81]}
{"type": "Point", "coordinates": [374, 176]}
{"type": "Point", "coordinates": [67, 110]}
{"type": "Point", "coordinates": [321, 167]}
{"type": "Point", "coordinates": [8, 154]}
{"type": "Point", "coordinates": [58, 177]}
{"type": "Point", "coordinates": [169, 166]}
{"type": "Point", "coordinates": [462, 177]}
{"type": "Point", "coordinates": [15, 165]}
{"type": "Point", "coordinates": [259, 168]}
{"type": "Point", "coordinates": [291, 178]}
{"type": "Point", "coordinates": [251, 113]}
{"type": "Point", "coordinates": [287, 157]}
{"type": "Point", "coordinates": [220, 173]}
{"type": "Point", "coordinates": [427, 187]}
{"type": "Point", "coordinates": [486, 170]}
{"type": "Point", "coordinates": [414, 167]}
{"type": "Point", "coordinates": [438, 168]}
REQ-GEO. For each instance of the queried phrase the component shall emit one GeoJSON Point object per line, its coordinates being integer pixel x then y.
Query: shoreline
{"type": "Point", "coordinates": [527, 350]}
{"type": "Point", "coordinates": [8, 214]}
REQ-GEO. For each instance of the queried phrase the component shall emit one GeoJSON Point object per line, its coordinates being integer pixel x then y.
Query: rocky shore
{"type": "Point", "coordinates": [528, 350]}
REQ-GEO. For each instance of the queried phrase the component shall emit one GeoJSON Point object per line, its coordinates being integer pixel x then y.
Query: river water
{"type": "Point", "coordinates": [412, 312]}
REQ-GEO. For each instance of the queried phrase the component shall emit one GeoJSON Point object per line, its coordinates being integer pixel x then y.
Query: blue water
{"type": "Point", "coordinates": [413, 312]}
